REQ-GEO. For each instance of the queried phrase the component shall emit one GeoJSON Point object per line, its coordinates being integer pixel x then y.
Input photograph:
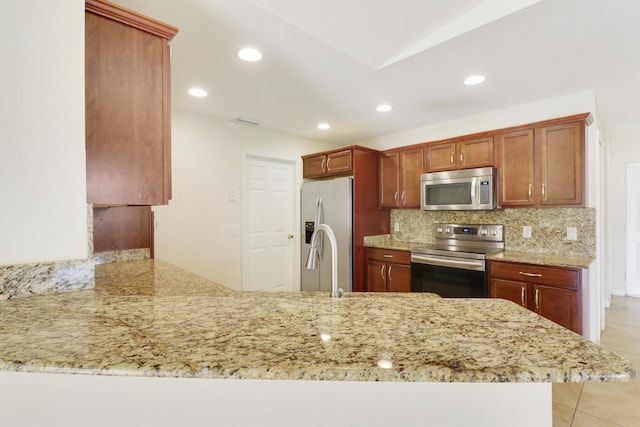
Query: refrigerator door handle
{"type": "Point", "coordinates": [319, 220]}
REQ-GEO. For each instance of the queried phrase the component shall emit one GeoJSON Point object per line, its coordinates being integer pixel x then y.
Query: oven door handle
{"type": "Point", "coordinates": [477, 265]}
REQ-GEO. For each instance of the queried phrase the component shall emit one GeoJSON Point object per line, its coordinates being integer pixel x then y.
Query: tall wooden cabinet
{"type": "Point", "coordinates": [127, 122]}
{"type": "Point", "coordinates": [542, 165]}
{"type": "Point", "coordinates": [127, 94]}
{"type": "Point", "coordinates": [399, 176]}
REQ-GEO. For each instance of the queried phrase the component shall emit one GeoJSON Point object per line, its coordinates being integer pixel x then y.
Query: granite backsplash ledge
{"type": "Point", "coordinates": [548, 227]}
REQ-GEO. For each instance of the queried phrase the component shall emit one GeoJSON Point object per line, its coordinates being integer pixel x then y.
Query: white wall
{"type": "Point", "coordinates": [43, 214]}
{"type": "Point", "coordinates": [577, 103]}
{"type": "Point", "coordinates": [625, 148]}
{"type": "Point", "coordinates": [194, 230]}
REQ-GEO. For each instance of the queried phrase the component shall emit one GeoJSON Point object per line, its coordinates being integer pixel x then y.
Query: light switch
{"type": "Point", "coordinates": [526, 231]}
{"type": "Point", "coordinates": [232, 195]}
{"type": "Point", "coordinates": [572, 233]}
{"type": "Point", "coordinates": [235, 229]}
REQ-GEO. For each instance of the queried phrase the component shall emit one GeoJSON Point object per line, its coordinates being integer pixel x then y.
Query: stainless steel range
{"type": "Point", "coordinates": [455, 265]}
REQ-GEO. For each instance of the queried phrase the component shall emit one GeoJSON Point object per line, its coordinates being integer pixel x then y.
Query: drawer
{"type": "Point", "coordinates": [554, 276]}
{"type": "Point", "coordinates": [389, 255]}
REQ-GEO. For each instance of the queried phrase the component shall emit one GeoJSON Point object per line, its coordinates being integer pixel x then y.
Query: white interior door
{"type": "Point", "coordinates": [268, 213]}
{"type": "Point", "coordinates": [633, 228]}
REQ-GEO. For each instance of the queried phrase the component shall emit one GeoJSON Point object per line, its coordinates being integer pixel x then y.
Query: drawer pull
{"type": "Point", "coordinates": [387, 256]}
{"type": "Point", "coordinates": [522, 273]}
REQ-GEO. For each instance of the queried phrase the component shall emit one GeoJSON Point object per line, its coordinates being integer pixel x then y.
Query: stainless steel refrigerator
{"type": "Point", "coordinates": [327, 202]}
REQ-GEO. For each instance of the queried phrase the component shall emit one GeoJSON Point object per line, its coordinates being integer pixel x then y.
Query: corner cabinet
{"type": "Point", "coordinates": [465, 154]}
{"type": "Point", "coordinates": [127, 92]}
{"type": "Point", "coordinates": [543, 165]}
{"type": "Point", "coordinates": [399, 178]}
{"type": "Point", "coordinates": [388, 270]}
{"type": "Point", "coordinates": [552, 292]}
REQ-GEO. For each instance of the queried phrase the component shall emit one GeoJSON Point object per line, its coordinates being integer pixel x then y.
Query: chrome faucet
{"type": "Point", "coordinates": [312, 256]}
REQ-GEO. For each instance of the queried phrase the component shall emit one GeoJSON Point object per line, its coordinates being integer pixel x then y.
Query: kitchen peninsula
{"type": "Point", "coordinates": [331, 357]}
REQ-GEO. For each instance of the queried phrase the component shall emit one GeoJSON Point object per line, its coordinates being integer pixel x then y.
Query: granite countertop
{"type": "Point", "coordinates": [559, 260]}
{"type": "Point", "coordinates": [149, 318]}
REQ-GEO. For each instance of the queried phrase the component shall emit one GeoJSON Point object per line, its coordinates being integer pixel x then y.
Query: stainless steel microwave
{"type": "Point", "coordinates": [461, 190]}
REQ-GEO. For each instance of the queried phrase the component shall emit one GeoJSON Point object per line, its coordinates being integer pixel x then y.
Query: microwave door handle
{"type": "Point", "coordinates": [474, 191]}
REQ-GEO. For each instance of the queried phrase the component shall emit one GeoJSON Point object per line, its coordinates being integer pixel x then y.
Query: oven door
{"type": "Point", "coordinates": [448, 277]}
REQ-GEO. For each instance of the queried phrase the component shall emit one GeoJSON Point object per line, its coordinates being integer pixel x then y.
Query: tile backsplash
{"type": "Point", "coordinates": [548, 227]}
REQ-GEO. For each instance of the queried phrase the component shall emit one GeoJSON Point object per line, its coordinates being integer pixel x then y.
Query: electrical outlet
{"type": "Point", "coordinates": [396, 226]}
{"type": "Point", "coordinates": [572, 233]}
{"type": "Point", "coordinates": [526, 231]}
{"type": "Point", "coordinates": [235, 229]}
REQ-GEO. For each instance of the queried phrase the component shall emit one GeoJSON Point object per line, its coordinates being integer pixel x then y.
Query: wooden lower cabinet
{"type": "Point", "coordinates": [117, 228]}
{"type": "Point", "coordinates": [552, 292]}
{"type": "Point", "coordinates": [387, 270]}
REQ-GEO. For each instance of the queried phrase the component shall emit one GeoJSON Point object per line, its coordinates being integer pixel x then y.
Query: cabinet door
{"type": "Point", "coordinates": [388, 180]}
{"type": "Point", "coordinates": [398, 278]}
{"type": "Point", "coordinates": [558, 305]}
{"type": "Point", "coordinates": [410, 169]}
{"type": "Point", "coordinates": [127, 114]}
{"type": "Point", "coordinates": [509, 290]}
{"type": "Point", "coordinates": [515, 168]}
{"type": "Point", "coordinates": [475, 153]}
{"type": "Point", "coordinates": [122, 227]}
{"type": "Point", "coordinates": [561, 164]}
{"type": "Point", "coordinates": [314, 166]}
{"type": "Point", "coordinates": [338, 163]}
{"type": "Point", "coordinates": [440, 157]}
{"type": "Point", "coordinates": [376, 276]}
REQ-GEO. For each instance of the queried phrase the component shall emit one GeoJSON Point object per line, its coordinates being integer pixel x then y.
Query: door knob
{"type": "Point", "coordinates": [289, 236]}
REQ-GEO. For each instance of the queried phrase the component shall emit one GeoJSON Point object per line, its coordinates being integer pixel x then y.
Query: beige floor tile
{"type": "Point", "coordinates": [615, 402]}
{"type": "Point", "coordinates": [585, 420]}
{"type": "Point", "coordinates": [566, 394]}
{"type": "Point", "coordinates": [562, 415]}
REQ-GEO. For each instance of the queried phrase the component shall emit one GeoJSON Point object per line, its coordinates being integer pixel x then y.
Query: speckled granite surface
{"type": "Point", "coordinates": [548, 225]}
{"type": "Point", "coordinates": [22, 280]}
{"type": "Point", "coordinates": [150, 318]}
{"type": "Point", "coordinates": [560, 260]}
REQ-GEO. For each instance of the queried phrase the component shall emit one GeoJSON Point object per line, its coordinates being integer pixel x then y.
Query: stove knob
{"type": "Point", "coordinates": [483, 231]}
{"type": "Point", "coordinates": [439, 230]}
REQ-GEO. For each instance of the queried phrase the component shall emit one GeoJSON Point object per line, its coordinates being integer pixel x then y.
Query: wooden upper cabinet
{"type": "Point", "coordinates": [389, 179]}
{"type": "Point", "coordinates": [515, 168]}
{"type": "Point", "coordinates": [127, 96]}
{"type": "Point", "coordinates": [327, 164]}
{"type": "Point", "coordinates": [475, 153]}
{"type": "Point", "coordinates": [562, 164]}
{"type": "Point", "coordinates": [542, 166]}
{"type": "Point", "coordinates": [465, 154]}
{"type": "Point", "coordinates": [399, 180]}
{"type": "Point", "coordinates": [440, 157]}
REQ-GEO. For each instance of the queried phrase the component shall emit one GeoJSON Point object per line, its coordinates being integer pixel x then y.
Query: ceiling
{"type": "Point", "coordinates": [335, 60]}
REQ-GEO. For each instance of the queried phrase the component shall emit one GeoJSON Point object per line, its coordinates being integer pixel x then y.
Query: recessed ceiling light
{"type": "Point", "coordinates": [250, 54]}
{"type": "Point", "coordinates": [194, 91]}
{"type": "Point", "coordinates": [474, 80]}
{"type": "Point", "coordinates": [324, 126]}
{"type": "Point", "coordinates": [383, 108]}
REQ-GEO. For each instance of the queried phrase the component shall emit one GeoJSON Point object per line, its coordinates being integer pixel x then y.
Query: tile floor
{"type": "Point", "coordinates": [606, 404]}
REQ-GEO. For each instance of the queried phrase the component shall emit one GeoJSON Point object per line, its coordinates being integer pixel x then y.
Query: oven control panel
{"type": "Point", "coordinates": [476, 232]}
